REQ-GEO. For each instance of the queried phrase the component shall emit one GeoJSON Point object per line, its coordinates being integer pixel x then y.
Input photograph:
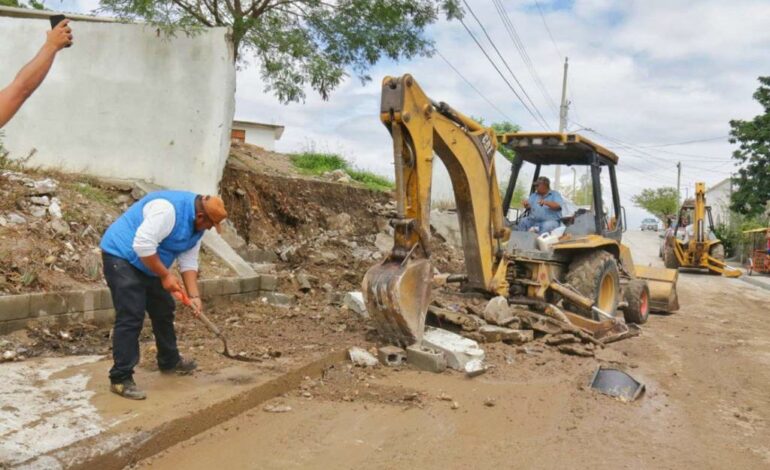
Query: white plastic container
{"type": "Point", "coordinates": [547, 239]}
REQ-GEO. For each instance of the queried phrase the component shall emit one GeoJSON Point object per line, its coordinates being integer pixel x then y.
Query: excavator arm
{"type": "Point", "coordinates": [397, 290]}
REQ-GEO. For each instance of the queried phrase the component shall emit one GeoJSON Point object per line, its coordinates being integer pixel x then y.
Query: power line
{"type": "Point", "coordinates": [501, 74]}
{"type": "Point", "coordinates": [522, 50]}
{"type": "Point", "coordinates": [545, 23]}
{"type": "Point", "coordinates": [473, 87]}
{"type": "Point", "coordinates": [687, 142]}
{"type": "Point", "coordinates": [494, 46]}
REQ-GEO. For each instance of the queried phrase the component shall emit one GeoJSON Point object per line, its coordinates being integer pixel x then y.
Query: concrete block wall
{"type": "Point", "coordinates": [95, 305]}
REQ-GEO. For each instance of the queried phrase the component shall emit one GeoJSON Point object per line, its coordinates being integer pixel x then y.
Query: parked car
{"type": "Point", "coordinates": [650, 224]}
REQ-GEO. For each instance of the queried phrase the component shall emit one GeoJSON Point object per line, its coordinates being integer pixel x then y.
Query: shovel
{"type": "Point", "coordinates": [182, 297]}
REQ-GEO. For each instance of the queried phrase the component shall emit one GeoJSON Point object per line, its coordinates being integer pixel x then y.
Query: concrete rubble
{"type": "Point", "coordinates": [457, 349]}
{"type": "Point", "coordinates": [355, 301]}
{"type": "Point", "coordinates": [391, 356]}
{"type": "Point", "coordinates": [427, 359]}
{"type": "Point", "coordinates": [362, 357]}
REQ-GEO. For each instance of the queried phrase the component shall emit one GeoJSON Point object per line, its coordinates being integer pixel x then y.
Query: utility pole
{"type": "Point", "coordinates": [574, 183]}
{"type": "Point", "coordinates": [562, 117]}
{"type": "Point", "coordinates": [678, 183]}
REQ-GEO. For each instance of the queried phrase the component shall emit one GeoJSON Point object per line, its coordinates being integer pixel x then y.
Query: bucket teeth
{"type": "Point", "coordinates": [397, 297]}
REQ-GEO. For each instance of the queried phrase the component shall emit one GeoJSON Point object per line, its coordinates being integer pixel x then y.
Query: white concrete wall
{"type": "Point", "coordinates": [124, 102]}
{"type": "Point", "coordinates": [265, 138]}
{"type": "Point", "coordinates": [719, 200]}
{"type": "Point", "coordinates": [441, 189]}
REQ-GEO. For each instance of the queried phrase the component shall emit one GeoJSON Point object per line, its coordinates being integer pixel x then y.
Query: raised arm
{"type": "Point", "coordinates": [32, 74]}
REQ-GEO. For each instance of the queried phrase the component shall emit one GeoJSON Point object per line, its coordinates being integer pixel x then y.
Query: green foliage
{"type": "Point", "coordinates": [16, 3]}
{"type": "Point", "coordinates": [317, 163]}
{"type": "Point", "coordinates": [501, 128]}
{"type": "Point", "coordinates": [93, 193]}
{"type": "Point", "coordinates": [303, 43]}
{"type": "Point", "coordinates": [661, 202]}
{"type": "Point", "coordinates": [732, 235]}
{"type": "Point", "coordinates": [583, 193]}
{"type": "Point", "coordinates": [370, 180]}
{"type": "Point", "coordinates": [751, 189]}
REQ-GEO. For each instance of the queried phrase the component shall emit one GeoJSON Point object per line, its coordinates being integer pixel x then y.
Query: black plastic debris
{"type": "Point", "coordinates": [616, 383]}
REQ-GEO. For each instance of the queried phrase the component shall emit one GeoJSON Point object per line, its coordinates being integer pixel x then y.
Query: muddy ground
{"type": "Point", "coordinates": [706, 405]}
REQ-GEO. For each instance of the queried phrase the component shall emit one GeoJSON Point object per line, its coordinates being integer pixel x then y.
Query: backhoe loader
{"type": "Point", "coordinates": [700, 248]}
{"type": "Point", "coordinates": [587, 277]}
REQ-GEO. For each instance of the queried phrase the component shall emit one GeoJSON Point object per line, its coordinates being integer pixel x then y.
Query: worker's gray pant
{"type": "Point", "coordinates": [133, 292]}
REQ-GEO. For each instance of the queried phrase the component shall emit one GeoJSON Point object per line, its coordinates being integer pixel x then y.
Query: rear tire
{"type": "Point", "coordinates": [669, 257]}
{"type": "Point", "coordinates": [595, 275]}
{"type": "Point", "coordinates": [637, 295]}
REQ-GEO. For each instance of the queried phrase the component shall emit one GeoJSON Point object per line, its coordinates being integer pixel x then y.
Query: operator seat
{"type": "Point", "coordinates": [584, 224]}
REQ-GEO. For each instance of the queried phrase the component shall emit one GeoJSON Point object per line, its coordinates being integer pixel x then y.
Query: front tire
{"type": "Point", "coordinates": [637, 295]}
{"type": "Point", "coordinates": [595, 275]}
{"type": "Point", "coordinates": [669, 257]}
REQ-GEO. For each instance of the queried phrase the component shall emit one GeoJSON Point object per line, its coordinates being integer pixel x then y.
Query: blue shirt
{"type": "Point", "coordinates": [543, 213]}
{"type": "Point", "coordinates": [119, 237]}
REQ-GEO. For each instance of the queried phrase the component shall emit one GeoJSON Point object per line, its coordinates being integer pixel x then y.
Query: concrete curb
{"type": "Point", "coordinates": [181, 429]}
{"type": "Point", "coordinates": [95, 305]}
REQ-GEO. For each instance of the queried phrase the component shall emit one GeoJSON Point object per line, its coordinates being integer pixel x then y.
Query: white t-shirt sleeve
{"type": "Point", "coordinates": [188, 260]}
{"type": "Point", "coordinates": [159, 219]}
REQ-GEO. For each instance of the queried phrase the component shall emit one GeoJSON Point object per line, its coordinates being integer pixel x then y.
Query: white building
{"type": "Point", "coordinates": [718, 197]}
{"type": "Point", "coordinates": [123, 101]}
{"type": "Point", "coordinates": [257, 133]}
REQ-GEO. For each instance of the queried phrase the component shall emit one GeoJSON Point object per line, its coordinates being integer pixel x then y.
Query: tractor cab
{"type": "Point", "coordinates": [591, 202]}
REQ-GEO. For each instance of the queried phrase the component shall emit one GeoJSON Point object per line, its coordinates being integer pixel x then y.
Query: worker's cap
{"type": "Point", "coordinates": [543, 179]}
{"type": "Point", "coordinates": [214, 208]}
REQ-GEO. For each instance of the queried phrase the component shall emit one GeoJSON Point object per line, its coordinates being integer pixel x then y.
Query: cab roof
{"type": "Point", "coordinates": [554, 148]}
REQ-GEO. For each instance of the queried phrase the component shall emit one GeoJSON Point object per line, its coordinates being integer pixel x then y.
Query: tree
{"type": "Point", "coordinates": [662, 202]}
{"type": "Point", "coordinates": [302, 42]}
{"type": "Point", "coordinates": [19, 4]}
{"type": "Point", "coordinates": [751, 189]}
{"type": "Point", "coordinates": [501, 128]}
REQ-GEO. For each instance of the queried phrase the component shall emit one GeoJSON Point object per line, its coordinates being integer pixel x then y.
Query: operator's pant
{"type": "Point", "coordinates": [542, 226]}
{"type": "Point", "coordinates": [133, 292]}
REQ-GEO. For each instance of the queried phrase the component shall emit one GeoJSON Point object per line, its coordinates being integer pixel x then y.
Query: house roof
{"type": "Point", "coordinates": [278, 130]}
{"type": "Point", "coordinates": [718, 185]}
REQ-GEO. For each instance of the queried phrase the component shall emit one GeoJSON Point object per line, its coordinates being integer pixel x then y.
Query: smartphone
{"type": "Point", "coordinates": [55, 20]}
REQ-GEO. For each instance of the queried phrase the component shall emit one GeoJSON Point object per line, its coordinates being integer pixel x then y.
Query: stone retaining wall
{"type": "Point", "coordinates": [95, 305]}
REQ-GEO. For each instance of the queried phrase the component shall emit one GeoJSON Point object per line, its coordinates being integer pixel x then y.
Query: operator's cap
{"type": "Point", "coordinates": [214, 207]}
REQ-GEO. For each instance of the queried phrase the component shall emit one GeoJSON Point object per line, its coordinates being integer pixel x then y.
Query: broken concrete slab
{"type": "Point", "coordinates": [577, 349]}
{"type": "Point", "coordinates": [362, 357]}
{"type": "Point", "coordinates": [426, 359]}
{"type": "Point", "coordinates": [355, 302]}
{"type": "Point", "coordinates": [383, 242]}
{"type": "Point", "coordinates": [457, 350]}
{"type": "Point", "coordinates": [391, 355]}
{"type": "Point", "coordinates": [498, 311]}
{"type": "Point", "coordinates": [475, 367]}
{"type": "Point", "coordinates": [563, 338]}
{"type": "Point", "coordinates": [493, 334]}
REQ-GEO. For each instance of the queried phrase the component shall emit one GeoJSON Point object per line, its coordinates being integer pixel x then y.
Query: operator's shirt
{"type": "Point", "coordinates": [543, 213]}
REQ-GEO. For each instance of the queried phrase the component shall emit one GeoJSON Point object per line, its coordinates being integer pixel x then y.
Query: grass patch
{"type": "Point", "coordinates": [316, 163]}
{"type": "Point", "coordinates": [93, 193]}
{"type": "Point", "coordinates": [371, 180]}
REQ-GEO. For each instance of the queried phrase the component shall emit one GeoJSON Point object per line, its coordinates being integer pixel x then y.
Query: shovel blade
{"type": "Point", "coordinates": [397, 296]}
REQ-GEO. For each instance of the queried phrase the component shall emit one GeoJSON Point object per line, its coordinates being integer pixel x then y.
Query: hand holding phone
{"type": "Point", "coordinates": [60, 35]}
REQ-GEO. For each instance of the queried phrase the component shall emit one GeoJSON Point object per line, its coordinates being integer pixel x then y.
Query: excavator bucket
{"type": "Point", "coordinates": [662, 284]}
{"type": "Point", "coordinates": [397, 294]}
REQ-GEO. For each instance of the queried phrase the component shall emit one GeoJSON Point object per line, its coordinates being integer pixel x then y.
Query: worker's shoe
{"type": "Point", "coordinates": [128, 389]}
{"type": "Point", "coordinates": [183, 367]}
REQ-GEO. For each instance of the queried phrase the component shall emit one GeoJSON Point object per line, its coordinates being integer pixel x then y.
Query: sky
{"type": "Point", "coordinates": [643, 75]}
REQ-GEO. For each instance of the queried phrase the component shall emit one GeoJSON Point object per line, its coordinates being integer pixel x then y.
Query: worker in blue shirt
{"type": "Point", "coordinates": [544, 206]}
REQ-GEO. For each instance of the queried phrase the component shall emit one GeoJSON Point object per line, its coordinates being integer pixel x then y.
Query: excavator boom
{"type": "Point", "coordinates": [397, 290]}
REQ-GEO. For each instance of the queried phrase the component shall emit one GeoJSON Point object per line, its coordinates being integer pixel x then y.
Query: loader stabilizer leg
{"type": "Point", "coordinates": [714, 265]}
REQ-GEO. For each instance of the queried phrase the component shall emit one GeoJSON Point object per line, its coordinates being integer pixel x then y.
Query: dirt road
{"type": "Point", "coordinates": [707, 370]}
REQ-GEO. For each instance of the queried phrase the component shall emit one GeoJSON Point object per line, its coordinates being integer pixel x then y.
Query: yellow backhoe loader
{"type": "Point", "coordinates": [587, 269]}
{"type": "Point", "coordinates": [699, 248]}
